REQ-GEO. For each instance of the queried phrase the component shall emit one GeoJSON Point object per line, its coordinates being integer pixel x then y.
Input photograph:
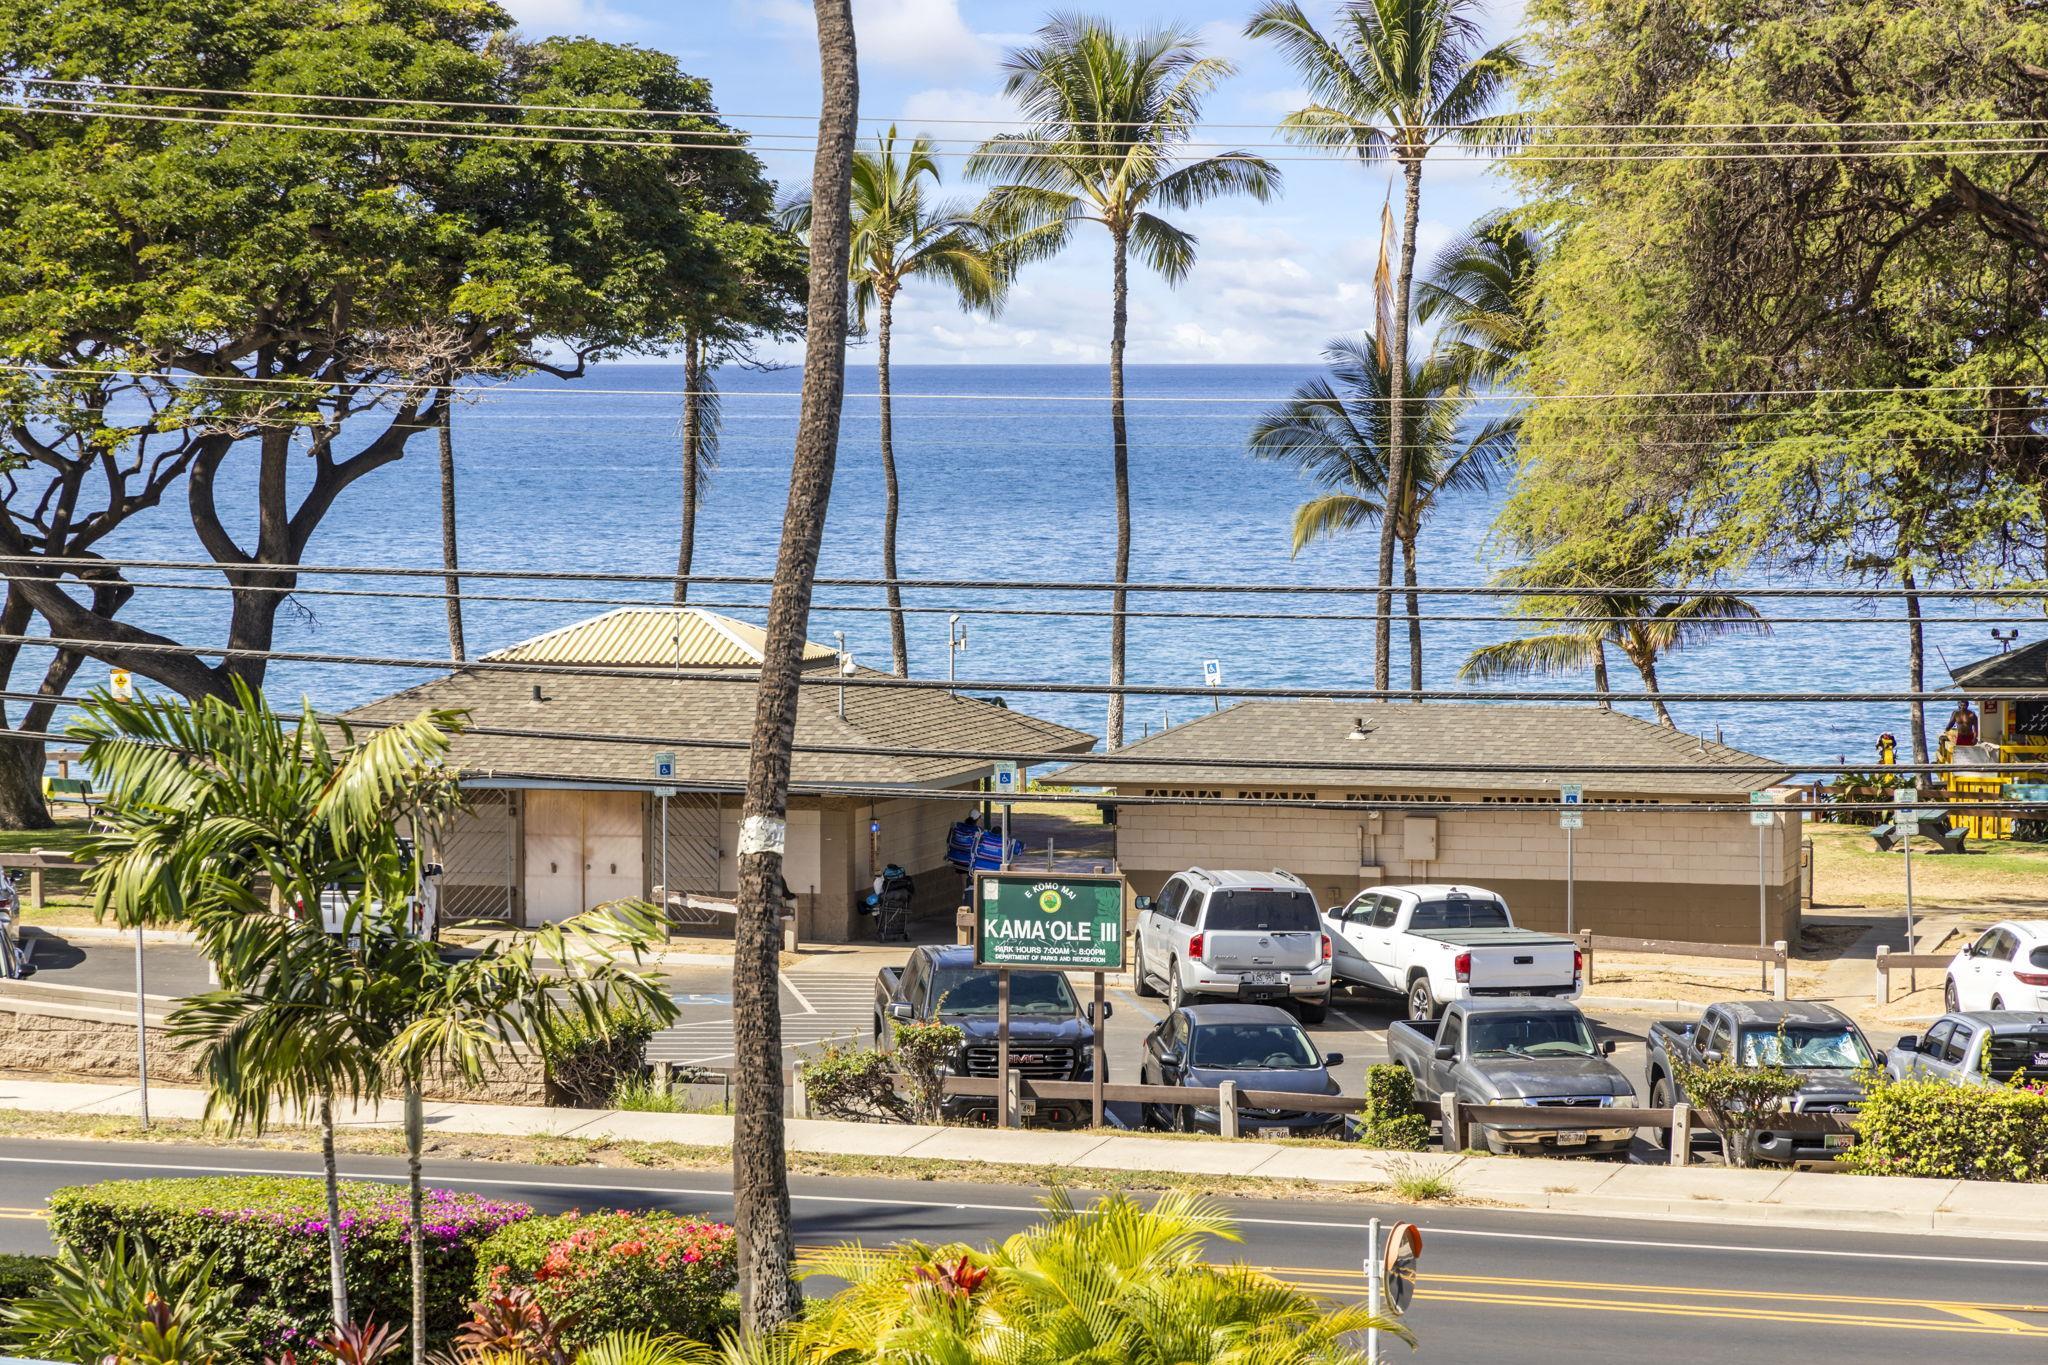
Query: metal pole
{"type": "Point", "coordinates": [1763, 934]}
{"type": "Point", "coordinates": [1006, 837]}
{"type": "Point", "coordinates": [1570, 841]}
{"type": "Point", "coordinates": [1003, 1115]}
{"type": "Point", "coordinates": [141, 1030]}
{"type": "Point", "coordinates": [1906, 836]}
{"type": "Point", "coordinates": [666, 886]}
{"type": "Point", "coordinates": [1372, 1290]}
{"type": "Point", "coordinates": [1099, 1063]}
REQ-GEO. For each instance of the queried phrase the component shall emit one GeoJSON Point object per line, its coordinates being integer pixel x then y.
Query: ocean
{"type": "Point", "coordinates": [998, 483]}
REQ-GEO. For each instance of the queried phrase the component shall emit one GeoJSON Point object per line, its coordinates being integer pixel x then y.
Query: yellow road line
{"type": "Point", "coordinates": [1727, 1312]}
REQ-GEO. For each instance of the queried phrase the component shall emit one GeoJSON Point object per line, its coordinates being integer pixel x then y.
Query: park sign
{"type": "Point", "coordinates": [1051, 921]}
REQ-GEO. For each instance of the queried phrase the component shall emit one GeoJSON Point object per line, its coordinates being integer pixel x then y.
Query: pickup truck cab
{"type": "Point", "coordinates": [1990, 1047]}
{"type": "Point", "coordinates": [1051, 1037]}
{"type": "Point", "coordinates": [1435, 944]}
{"type": "Point", "coordinates": [1247, 936]}
{"type": "Point", "coordinates": [1818, 1042]}
{"type": "Point", "coordinates": [1518, 1051]}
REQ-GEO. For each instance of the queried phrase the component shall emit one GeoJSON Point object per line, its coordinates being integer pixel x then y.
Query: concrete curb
{"type": "Point", "coordinates": [1700, 1194]}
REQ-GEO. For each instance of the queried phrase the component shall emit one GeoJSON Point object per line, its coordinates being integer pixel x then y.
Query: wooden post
{"type": "Point", "coordinates": [35, 885]}
{"type": "Point", "coordinates": [799, 1092]}
{"type": "Point", "coordinates": [1013, 1096]}
{"type": "Point", "coordinates": [1226, 1108]}
{"type": "Point", "coordinates": [1004, 1116]}
{"type": "Point", "coordinates": [1681, 1135]}
{"type": "Point", "coordinates": [1586, 949]}
{"type": "Point", "coordinates": [963, 926]}
{"type": "Point", "coordinates": [1454, 1136]}
{"type": "Point", "coordinates": [1778, 971]}
{"type": "Point", "coordinates": [1100, 1062]}
{"type": "Point", "coordinates": [1883, 986]}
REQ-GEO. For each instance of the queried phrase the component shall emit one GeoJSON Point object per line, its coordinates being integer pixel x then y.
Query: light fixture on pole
{"type": "Point", "coordinates": [956, 644]}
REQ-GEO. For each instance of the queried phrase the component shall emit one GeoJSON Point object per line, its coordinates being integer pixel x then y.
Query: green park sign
{"type": "Point", "coordinates": [1047, 920]}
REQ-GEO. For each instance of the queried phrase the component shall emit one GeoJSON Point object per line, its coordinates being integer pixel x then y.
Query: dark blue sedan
{"type": "Point", "coordinates": [1260, 1047]}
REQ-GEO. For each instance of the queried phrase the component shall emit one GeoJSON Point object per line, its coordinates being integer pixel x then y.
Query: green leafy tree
{"type": "Point", "coordinates": [901, 234]}
{"type": "Point", "coordinates": [1111, 115]}
{"type": "Point", "coordinates": [1399, 79]}
{"type": "Point", "coordinates": [1337, 432]}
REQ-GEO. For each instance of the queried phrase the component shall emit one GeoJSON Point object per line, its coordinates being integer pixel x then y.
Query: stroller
{"type": "Point", "coordinates": [889, 903]}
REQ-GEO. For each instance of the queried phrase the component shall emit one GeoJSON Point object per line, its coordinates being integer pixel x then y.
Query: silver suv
{"type": "Point", "coordinates": [1233, 936]}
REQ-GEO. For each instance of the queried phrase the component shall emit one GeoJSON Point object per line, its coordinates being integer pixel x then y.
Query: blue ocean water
{"type": "Point", "coordinates": [998, 484]}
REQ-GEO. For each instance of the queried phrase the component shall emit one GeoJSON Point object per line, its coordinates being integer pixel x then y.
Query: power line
{"type": "Point", "coordinates": [966, 609]}
{"type": "Point", "coordinates": [2018, 591]}
{"type": "Point", "coordinates": [886, 682]}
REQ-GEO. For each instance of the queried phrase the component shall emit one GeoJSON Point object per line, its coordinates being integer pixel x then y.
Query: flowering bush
{"type": "Point", "coordinates": [270, 1237]}
{"type": "Point", "coordinates": [614, 1272]}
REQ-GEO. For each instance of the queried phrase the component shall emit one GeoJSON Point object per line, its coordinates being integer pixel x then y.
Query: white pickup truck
{"type": "Point", "coordinates": [1434, 944]}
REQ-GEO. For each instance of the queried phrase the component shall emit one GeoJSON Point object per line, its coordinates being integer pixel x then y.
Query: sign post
{"type": "Point", "coordinates": [1047, 922]}
{"type": "Point", "coordinates": [1571, 817]}
{"type": "Point", "coordinates": [1760, 811]}
{"type": "Point", "coordinates": [1212, 678]}
{"type": "Point", "coordinates": [1009, 780]}
{"type": "Point", "coordinates": [1908, 822]}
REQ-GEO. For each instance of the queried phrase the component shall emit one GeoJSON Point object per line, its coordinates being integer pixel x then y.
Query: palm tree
{"type": "Point", "coordinates": [701, 412]}
{"type": "Point", "coordinates": [205, 801]}
{"type": "Point", "coordinates": [901, 234]}
{"type": "Point", "coordinates": [1110, 114]}
{"type": "Point", "coordinates": [1401, 78]}
{"type": "Point", "coordinates": [1335, 431]}
{"type": "Point", "coordinates": [1643, 626]}
{"type": "Point", "coordinates": [1482, 289]}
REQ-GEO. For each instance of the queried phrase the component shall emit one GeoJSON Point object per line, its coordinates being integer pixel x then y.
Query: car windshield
{"type": "Point", "coordinates": [1253, 1047]}
{"type": "Point", "coordinates": [2014, 1054]}
{"type": "Point", "coordinates": [1265, 912]}
{"type": "Point", "coordinates": [1805, 1048]}
{"type": "Point", "coordinates": [1557, 1034]}
{"type": "Point", "coordinates": [1460, 912]}
{"type": "Point", "coordinates": [972, 990]}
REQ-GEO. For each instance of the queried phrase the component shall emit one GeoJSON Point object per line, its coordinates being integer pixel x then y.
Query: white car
{"type": "Point", "coordinates": [1434, 944]}
{"type": "Point", "coordinates": [1250, 936]}
{"type": "Point", "coordinates": [2004, 968]}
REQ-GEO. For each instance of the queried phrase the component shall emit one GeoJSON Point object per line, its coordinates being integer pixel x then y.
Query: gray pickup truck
{"type": "Point", "coordinates": [1818, 1042]}
{"type": "Point", "coordinates": [1510, 1050]}
{"type": "Point", "coordinates": [1051, 1036]}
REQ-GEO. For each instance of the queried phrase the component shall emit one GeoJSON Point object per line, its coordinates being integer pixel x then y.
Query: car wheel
{"type": "Point", "coordinates": [1421, 1001]}
{"type": "Point", "coordinates": [1950, 999]}
{"type": "Point", "coordinates": [1140, 983]}
{"type": "Point", "coordinates": [1313, 1011]}
{"type": "Point", "coordinates": [1176, 993]}
{"type": "Point", "coordinates": [1660, 1098]}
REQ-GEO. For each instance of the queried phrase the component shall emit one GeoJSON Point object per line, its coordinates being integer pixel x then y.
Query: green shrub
{"type": "Point", "coordinates": [131, 1304]}
{"type": "Point", "coordinates": [639, 1095]}
{"type": "Point", "coordinates": [1740, 1100]}
{"type": "Point", "coordinates": [270, 1237]}
{"type": "Point", "coordinates": [586, 1064]}
{"type": "Point", "coordinates": [1389, 1119]}
{"type": "Point", "coordinates": [1951, 1132]}
{"type": "Point", "coordinates": [617, 1272]}
{"type": "Point", "coordinates": [857, 1083]}
{"type": "Point", "coordinates": [21, 1276]}
{"type": "Point", "coordinates": [925, 1054]}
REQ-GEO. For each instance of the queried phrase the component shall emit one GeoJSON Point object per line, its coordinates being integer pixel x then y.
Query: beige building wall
{"type": "Point", "coordinates": [1679, 875]}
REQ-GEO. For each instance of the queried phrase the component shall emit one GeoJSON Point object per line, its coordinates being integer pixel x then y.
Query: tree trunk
{"type": "Point", "coordinates": [1645, 661]}
{"type": "Point", "coordinates": [415, 1139]}
{"type": "Point", "coordinates": [21, 784]}
{"type": "Point", "coordinates": [1397, 419]}
{"type": "Point", "coordinates": [899, 651]}
{"type": "Point", "coordinates": [1600, 682]}
{"type": "Point", "coordinates": [1120, 300]}
{"type": "Point", "coordinates": [768, 1295]}
{"type": "Point", "coordinates": [451, 583]}
{"type": "Point", "coordinates": [337, 1278]}
{"type": "Point", "coordinates": [1414, 615]}
{"type": "Point", "coordinates": [693, 459]}
{"type": "Point", "coordinates": [1916, 661]}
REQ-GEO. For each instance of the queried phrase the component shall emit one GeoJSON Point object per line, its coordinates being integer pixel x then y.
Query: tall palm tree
{"type": "Point", "coordinates": [1481, 290]}
{"type": "Point", "coordinates": [1401, 78]}
{"type": "Point", "coordinates": [701, 413]}
{"type": "Point", "coordinates": [1642, 626]}
{"type": "Point", "coordinates": [1336, 431]}
{"type": "Point", "coordinates": [451, 581]}
{"type": "Point", "coordinates": [900, 234]}
{"type": "Point", "coordinates": [205, 801]}
{"type": "Point", "coordinates": [1110, 115]}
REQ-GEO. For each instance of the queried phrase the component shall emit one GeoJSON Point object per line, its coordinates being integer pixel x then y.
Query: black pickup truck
{"type": "Point", "coordinates": [1818, 1043]}
{"type": "Point", "coordinates": [1051, 1038]}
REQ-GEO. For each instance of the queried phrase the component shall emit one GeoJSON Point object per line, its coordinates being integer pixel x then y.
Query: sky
{"type": "Point", "coordinates": [1273, 282]}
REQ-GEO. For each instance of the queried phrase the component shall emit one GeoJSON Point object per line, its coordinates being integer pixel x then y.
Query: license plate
{"type": "Point", "coordinates": [1571, 1137]}
{"type": "Point", "coordinates": [1269, 1132]}
{"type": "Point", "coordinates": [1836, 1142]}
{"type": "Point", "coordinates": [1030, 1108]}
{"type": "Point", "coordinates": [1262, 978]}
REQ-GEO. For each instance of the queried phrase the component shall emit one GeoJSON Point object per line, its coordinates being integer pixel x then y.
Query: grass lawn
{"type": "Point", "coordinates": [65, 899]}
{"type": "Point", "coordinates": [1992, 877]}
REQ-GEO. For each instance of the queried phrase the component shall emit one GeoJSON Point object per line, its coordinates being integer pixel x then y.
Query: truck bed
{"type": "Point", "coordinates": [1493, 938]}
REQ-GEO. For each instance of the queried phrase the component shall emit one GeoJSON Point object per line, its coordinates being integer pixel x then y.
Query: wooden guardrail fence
{"type": "Point", "coordinates": [1773, 958]}
{"type": "Point", "coordinates": [1888, 962]}
{"type": "Point", "coordinates": [36, 862]}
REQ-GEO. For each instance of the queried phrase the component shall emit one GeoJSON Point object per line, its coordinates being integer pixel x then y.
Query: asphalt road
{"type": "Point", "coordinates": [1536, 1289]}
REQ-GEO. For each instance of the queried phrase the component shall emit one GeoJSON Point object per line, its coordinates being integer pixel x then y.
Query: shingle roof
{"type": "Point", "coordinates": [2024, 667]}
{"type": "Point", "coordinates": [1281, 735]}
{"type": "Point", "coordinates": [653, 637]}
{"type": "Point", "coordinates": [696, 708]}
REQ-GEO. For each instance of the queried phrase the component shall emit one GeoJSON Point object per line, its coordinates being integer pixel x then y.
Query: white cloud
{"type": "Point", "coordinates": [917, 35]}
{"type": "Point", "coordinates": [548, 18]}
{"type": "Point", "coordinates": [937, 111]}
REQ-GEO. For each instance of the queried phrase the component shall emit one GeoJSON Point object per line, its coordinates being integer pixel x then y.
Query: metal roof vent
{"type": "Point", "coordinates": [1358, 730]}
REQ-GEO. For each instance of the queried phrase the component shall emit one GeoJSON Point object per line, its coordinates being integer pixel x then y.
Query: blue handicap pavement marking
{"type": "Point", "coordinates": [701, 998]}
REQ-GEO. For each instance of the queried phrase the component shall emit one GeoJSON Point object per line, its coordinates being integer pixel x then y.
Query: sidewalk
{"type": "Point", "coordinates": [1681, 1194]}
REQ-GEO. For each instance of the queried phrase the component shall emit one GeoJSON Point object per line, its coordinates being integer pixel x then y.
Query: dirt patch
{"type": "Point", "coordinates": [1994, 877]}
